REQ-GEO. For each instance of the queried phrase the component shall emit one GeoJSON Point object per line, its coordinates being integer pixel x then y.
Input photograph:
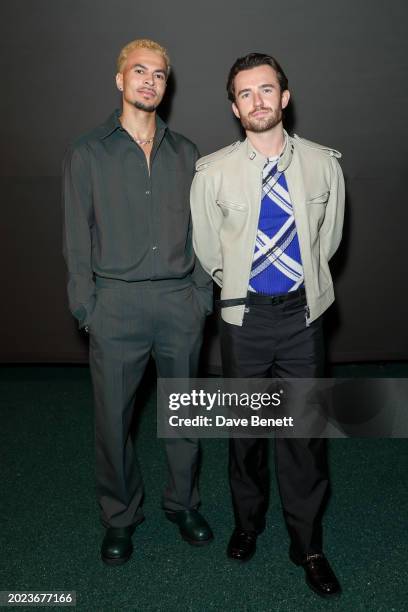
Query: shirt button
{"type": "Point", "coordinates": [147, 192]}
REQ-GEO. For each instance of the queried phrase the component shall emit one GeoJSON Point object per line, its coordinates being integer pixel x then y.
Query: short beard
{"type": "Point", "coordinates": [261, 125]}
{"type": "Point", "coordinates": [145, 107]}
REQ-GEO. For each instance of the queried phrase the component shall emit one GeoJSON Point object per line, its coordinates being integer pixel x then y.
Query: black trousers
{"type": "Point", "coordinates": [132, 321]}
{"type": "Point", "coordinates": [275, 342]}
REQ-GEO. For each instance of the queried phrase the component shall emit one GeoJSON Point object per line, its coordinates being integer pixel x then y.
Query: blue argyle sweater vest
{"type": "Point", "coordinates": [277, 265]}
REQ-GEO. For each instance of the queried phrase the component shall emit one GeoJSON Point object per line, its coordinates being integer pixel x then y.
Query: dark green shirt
{"type": "Point", "coordinates": [122, 222]}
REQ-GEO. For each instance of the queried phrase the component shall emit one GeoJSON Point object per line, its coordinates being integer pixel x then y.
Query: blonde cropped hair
{"type": "Point", "coordinates": [142, 43]}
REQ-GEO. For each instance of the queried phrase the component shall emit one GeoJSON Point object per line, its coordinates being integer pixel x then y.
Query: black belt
{"type": "Point", "coordinates": [256, 298]}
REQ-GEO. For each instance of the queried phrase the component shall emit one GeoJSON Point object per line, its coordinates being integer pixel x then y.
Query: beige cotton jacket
{"type": "Point", "coordinates": [225, 205]}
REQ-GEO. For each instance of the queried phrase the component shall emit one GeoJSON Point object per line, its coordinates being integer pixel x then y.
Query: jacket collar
{"type": "Point", "coordinates": [259, 160]}
{"type": "Point", "coordinates": [112, 124]}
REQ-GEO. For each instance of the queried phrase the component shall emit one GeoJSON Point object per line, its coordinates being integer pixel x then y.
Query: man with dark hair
{"type": "Point", "coordinates": [135, 286]}
{"type": "Point", "coordinates": [267, 217]}
{"type": "Point", "coordinates": [253, 60]}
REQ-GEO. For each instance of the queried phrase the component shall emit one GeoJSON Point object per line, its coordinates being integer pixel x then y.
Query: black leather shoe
{"type": "Point", "coordinates": [319, 575]}
{"type": "Point", "coordinates": [242, 545]}
{"type": "Point", "coordinates": [193, 527]}
{"type": "Point", "coordinates": [117, 545]}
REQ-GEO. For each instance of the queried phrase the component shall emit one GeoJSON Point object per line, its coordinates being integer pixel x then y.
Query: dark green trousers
{"type": "Point", "coordinates": [131, 322]}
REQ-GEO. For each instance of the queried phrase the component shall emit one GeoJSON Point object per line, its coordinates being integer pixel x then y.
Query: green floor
{"type": "Point", "coordinates": [50, 535]}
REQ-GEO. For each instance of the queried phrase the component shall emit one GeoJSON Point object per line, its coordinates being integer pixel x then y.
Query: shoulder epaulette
{"type": "Point", "coordinates": [315, 145]}
{"type": "Point", "coordinates": [207, 160]}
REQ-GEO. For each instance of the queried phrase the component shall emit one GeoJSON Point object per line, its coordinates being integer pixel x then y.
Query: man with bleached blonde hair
{"type": "Point", "coordinates": [135, 286]}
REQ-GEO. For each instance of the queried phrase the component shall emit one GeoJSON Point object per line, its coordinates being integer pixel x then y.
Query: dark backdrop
{"type": "Point", "coordinates": [347, 67]}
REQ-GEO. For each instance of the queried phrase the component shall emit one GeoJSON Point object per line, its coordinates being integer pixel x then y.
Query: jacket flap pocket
{"type": "Point", "coordinates": [232, 205]}
{"type": "Point", "coordinates": [319, 199]}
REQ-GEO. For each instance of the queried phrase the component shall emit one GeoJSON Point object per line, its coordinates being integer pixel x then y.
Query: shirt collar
{"type": "Point", "coordinates": [260, 160]}
{"type": "Point", "coordinates": [112, 124]}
